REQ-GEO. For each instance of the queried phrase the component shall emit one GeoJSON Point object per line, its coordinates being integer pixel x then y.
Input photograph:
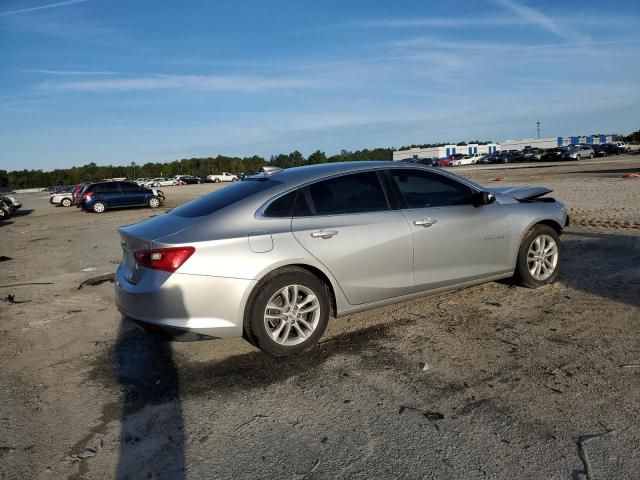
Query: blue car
{"type": "Point", "coordinates": [101, 196]}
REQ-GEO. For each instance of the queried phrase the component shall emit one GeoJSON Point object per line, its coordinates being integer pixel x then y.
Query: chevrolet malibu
{"type": "Point", "coordinates": [273, 257]}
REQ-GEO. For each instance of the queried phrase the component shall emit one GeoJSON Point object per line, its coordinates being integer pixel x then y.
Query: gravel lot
{"type": "Point", "coordinates": [494, 381]}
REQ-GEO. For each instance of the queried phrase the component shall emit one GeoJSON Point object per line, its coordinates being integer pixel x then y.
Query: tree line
{"type": "Point", "coordinates": [187, 166]}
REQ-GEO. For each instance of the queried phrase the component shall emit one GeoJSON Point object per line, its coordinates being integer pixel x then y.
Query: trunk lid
{"type": "Point", "coordinates": [140, 236]}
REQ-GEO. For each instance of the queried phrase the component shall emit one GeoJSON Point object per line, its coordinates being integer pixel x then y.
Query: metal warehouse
{"type": "Point", "coordinates": [552, 142]}
{"type": "Point", "coordinates": [445, 150]}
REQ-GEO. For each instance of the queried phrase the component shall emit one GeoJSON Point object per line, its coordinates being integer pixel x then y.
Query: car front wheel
{"type": "Point", "coordinates": [539, 257]}
{"type": "Point", "coordinates": [288, 312]}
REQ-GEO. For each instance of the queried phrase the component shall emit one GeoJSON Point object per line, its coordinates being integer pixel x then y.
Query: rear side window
{"type": "Point", "coordinates": [282, 207]}
{"type": "Point", "coordinates": [355, 193]}
{"type": "Point", "coordinates": [420, 189]}
{"type": "Point", "coordinates": [224, 197]}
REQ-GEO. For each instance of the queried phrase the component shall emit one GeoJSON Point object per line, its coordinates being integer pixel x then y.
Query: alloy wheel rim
{"type": "Point", "coordinates": [542, 257]}
{"type": "Point", "coordinates": [154, 202]}
{"type": "Point", "coordinates": [98, 207]}
{"type": "Point", "coordinates": [292, 315]}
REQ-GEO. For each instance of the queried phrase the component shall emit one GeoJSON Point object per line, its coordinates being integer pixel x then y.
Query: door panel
{"type": "Point", "coordinates": [369, 254]}
{"type": "Point", "coordinates": [454, 244]}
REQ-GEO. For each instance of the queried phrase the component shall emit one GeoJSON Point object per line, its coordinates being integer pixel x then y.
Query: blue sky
{"type": "Point", "coordinates": [115, 81]}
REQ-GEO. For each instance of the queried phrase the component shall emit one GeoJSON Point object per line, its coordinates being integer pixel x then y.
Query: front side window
{"type": "Point", "coordinates": [129, 187]}
{"type": "Point", "coordinates": [420, 189]}
{"type": "Point", "coordinates": [354, 193]}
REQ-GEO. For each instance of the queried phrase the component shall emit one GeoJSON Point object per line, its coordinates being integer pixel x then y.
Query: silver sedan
{"type": "Point", "coordinates": [271, 258]}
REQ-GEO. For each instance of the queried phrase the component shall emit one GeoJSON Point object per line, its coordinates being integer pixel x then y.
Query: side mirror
{"type": "Point", "coordinates": [483, 198]}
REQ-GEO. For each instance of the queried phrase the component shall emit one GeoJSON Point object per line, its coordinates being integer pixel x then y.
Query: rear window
{"type": "Point", "coordinates": [224, 197]}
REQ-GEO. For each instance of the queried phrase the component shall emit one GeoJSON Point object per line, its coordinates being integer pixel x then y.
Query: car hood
{"type": "Point", "coordinates": [522, 193]}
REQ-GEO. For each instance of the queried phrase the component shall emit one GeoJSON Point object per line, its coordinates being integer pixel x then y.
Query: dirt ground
{"type": "Point", "coordinates": [494, 381]}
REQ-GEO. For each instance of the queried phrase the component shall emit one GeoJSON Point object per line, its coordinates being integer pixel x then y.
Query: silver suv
{"type": "Point", "coordinates": [578, 152]}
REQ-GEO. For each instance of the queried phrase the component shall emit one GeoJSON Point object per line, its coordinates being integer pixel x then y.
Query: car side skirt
{"type": "Point", "coordinates": [412, 296]}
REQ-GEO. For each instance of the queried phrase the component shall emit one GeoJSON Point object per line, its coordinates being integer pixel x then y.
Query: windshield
{"type": "Point", "coordinates": [224, 197]}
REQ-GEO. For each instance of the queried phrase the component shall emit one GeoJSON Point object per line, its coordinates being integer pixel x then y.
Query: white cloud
{"type": "Point", "coordinates": [536, 17]}
{"type": "Point", "coordinates": [179, 82]}
{"type": "Point", "coordinates": [68, 72]}
{"type": "Point", "coordinates": [41, 7]}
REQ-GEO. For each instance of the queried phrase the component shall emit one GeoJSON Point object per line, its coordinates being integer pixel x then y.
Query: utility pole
{"type": "Point", "coordinates": [538, 125]}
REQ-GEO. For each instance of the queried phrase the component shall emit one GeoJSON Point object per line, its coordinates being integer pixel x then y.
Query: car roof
{"type": "Point", "coordinates": [310, 173]}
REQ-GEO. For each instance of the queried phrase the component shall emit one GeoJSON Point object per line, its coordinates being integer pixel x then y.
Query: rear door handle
{"type": "Point", "coordinates": [324, 233]}
{"type": "Point", "coordinates": [425, 222]}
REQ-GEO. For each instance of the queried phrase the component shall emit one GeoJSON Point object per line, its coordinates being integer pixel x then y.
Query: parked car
{"type": "Point", "coordinates": [492, 157]}
{"type": "Point", "coordinates": [599, 151]}
{"type": "Point", "coordinates": [272, 257]}
{"type": "Point", "coordinates": [160, 182]}
{"type": "Point", "coordinates": [553, 154]}
{"type": "Point", "coordinates": [223, 177]}
{"type": "Point", "coordinates": [188, 179]}
{"type": "Point", "coordinates": [509, 156]}
{"type": "Point", "coordinates": [141, 180]}
{"type": "Point", "coordinates": [578, 152]}
{"type": "Point", "coordinates": [6, 210]}
{"type": "Point", "coordinates": [64, 199]}
{"type": "Point", "coordinates": [622, 146]}
{"type": "Point", "coordinates": [532, 154]}
{"type": "Point", "coordinates": [422, 161]}
{"type": "Point", "coordinates": [612, 149]}
{"type": "Point", "coordinates": [77, 192]}
{"type": "Point", "coordinates": [101, 196]}
{"type": "Point", "coordinates": [12, 201]}
{"type": "Point", "coordinates": [466, 160]}
{"type": "Point", "coordinates": [249, 174]}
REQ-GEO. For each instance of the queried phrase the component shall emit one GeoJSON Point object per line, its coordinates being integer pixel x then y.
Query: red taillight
{"type": "Point", "coordinates": [166, 259]}
{"type": "Point", "coordinates": [87, 195]}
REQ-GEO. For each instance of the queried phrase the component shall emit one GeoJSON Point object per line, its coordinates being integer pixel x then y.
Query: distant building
{"type": "Point", "coordinates": [552, 142]}
{"type": "Point", "coordinates": [444, 151]}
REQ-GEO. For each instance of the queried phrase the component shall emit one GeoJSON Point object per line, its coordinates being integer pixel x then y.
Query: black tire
{"type": "Point", "coordinates": [578, 157]}
{"type": "Point", "coordinates": [66, 202]}
{"type": "Point", "coordinates": [154, 202]}
{"type": "Point", "coordinates": [255, 329]}
{"type": "Point", "coordinates": [522, 274]}
{"type": "Point", "coordinates": [98, 207]}
{"type": "Point", "coordinates": [591, 156]}
{"type": "Point", "coordinates": [4, 214]}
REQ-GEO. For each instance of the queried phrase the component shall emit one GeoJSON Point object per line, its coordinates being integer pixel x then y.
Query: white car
{"type": "Point", "coordinates": [622, 146]}
{"type": "Point", "coordinates": [161, 182]}
{"type": "Point", "coordinates": [467, 160]}
{"type": "Point", "coordinates": [65, 199]}
{"type": "Point", "coordinates": [223, 177]}
{"type": "Point", "coordinates": [141, 181]}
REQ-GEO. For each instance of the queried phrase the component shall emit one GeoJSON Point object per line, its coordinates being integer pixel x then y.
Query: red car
{"type": "Point", "coordinates": [448, 162]}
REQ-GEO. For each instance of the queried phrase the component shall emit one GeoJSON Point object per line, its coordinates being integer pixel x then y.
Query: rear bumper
{"type": "Point", "coordinates": [185, 307]}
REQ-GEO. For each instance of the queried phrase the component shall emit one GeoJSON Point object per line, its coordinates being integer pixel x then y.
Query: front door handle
{"type": "Point", "coordinates": [324, 233]}
{"type": "Point", "coordinates": [425, 222]}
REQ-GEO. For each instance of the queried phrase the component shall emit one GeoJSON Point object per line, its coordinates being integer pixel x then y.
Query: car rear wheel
{"type": "Point", "coordinates": [590, 156]}
{"type": "Point", "coordinates": [288, 312]}
{"type": "Point", "coordinates": [66, 202]}
{"type": "Point", "coordinates": [154, 202]}
{"type": "Point", "coordinates": [99, 207]}
{"type": "Point", "coordinates": [539, 257]}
